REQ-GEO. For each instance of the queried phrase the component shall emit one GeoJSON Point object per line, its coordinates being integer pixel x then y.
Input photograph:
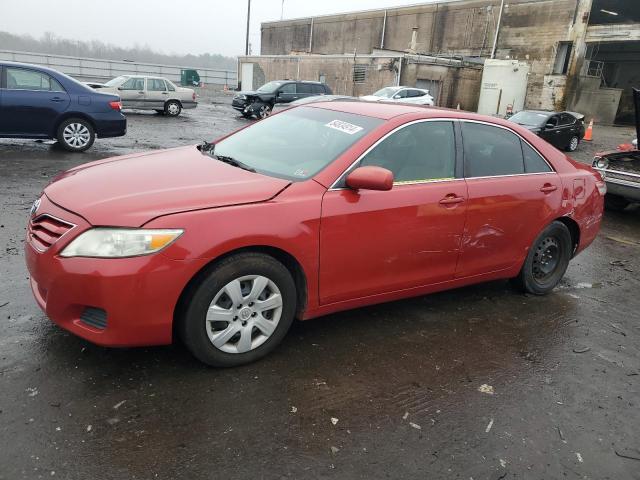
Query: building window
{"type": "Point", "coordinates": [360, 72]}
{"type": "Point", "coordinates": [563, 56]}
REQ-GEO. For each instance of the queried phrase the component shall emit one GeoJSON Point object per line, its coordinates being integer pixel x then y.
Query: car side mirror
{"type": "Point", "coordinates": [396, 96]}
{"type": "Point", "coordinates": [370, 178]}
{"type": "Point", "coordinates": [549, 125]}
{"type": "Point", "coordinates": [120, 88]}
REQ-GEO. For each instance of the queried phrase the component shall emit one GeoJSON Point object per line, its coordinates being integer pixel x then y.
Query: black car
{"type": "Point", "coordinates": [563, 130]}
{"type": "Point", "coordinates": [38, 102]}
{"type": "Point", "coordinates": [259, 103]}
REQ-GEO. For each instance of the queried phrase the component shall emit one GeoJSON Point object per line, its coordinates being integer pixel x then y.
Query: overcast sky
{"type": "Point", "coordinates": [193, 26]}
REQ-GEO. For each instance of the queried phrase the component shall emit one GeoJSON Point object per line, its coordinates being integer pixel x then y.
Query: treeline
{"type": "Point", "coordinates": [50, 43]}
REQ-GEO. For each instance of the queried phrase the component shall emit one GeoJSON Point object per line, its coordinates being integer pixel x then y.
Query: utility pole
{"type": "Point", "coordinates": [246, 47]}
{"type": "Point", "coordinates": [282, 10]}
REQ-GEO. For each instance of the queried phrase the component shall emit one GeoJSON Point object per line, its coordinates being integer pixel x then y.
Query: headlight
{"type": "Point", "coordinates": [120, 242]}
{"type": "Point", "coordinates": [601, 163]}
{"type": "Point", "coordinates": [241, 97]}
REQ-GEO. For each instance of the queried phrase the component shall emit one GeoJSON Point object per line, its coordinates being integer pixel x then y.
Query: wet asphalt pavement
{"type": "Point", "coordinates": [480, 382]}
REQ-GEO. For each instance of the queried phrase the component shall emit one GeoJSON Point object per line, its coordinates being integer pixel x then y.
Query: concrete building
{"type": "Point", "coordinates": [583, 54]}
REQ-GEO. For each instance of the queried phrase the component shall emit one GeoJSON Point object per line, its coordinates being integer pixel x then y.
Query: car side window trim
{"type": "Point", "coordinates": [522, 139]}
{"type": "Point", "coordinates": [336, 185]}
{"type": "Point", "coordinates": [5, 84]}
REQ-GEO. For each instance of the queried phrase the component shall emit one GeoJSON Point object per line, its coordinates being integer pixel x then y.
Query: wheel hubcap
{"type": "Point", "coordinates": [264, 112]}
{"type": "Point", "coordinates": [76, 134]}
{"type": "Point", "coordinates": [546, 259]}
{"type": "Point", "coordinates": [244, 314]}
{"type": "Point", "coordinates": [173, 108]}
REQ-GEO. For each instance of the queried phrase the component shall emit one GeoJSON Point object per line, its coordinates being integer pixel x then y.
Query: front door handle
{"type": "Point", "coordinates": [548, 188]}
{"type": "Point", "coordinates": [165, 93]}
{"type": "Point", "coordinates": [451, 200]}
{"type": "Point", "coordinates": [141, 92]}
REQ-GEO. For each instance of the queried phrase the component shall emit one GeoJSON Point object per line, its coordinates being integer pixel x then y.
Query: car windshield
{"type": "Point", "coordinates": [530, 118]}
{"type": "Point", "coordinates": [269, 87]}
{"type": "Point", "coordinates": [115, 81]}
{"type": "Point", "coordinates": [298, 143]}
{"type": "Point", "coordinates": [387, 92]}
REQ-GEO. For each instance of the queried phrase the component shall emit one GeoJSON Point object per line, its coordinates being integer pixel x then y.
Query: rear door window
{"type": "Point", "coordinates": [416, 93]}
{"type": "Point", "coordinates": [567, 119]}
{"type": "Point", "coordinates": [491, 151]}
{"type": "Point", "coordinates": [304, 88]}
{"type": "Point", "coordinates": [156, 85]}
{"type": "Point", "coordinates": [23, 79]}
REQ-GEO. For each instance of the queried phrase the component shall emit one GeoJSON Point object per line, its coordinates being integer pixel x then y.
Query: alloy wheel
{"type": "Point", "coordinates": [173, 108]}
{"type": "Point", "coordinates": [76, 135]}
{"type": "Point", "coordinates": [264, 111]}
{"type": "Point", "coordinates": [573, 144]}
{"type": "Point", "coordinates": [244, 314]}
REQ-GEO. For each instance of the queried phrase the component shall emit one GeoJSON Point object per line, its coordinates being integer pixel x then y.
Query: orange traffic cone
{"type": "Point", "coordinates": [588, 135]}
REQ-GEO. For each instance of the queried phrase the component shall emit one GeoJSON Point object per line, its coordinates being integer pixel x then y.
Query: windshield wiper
{"type": "Point", "coordinates": [209, 147]}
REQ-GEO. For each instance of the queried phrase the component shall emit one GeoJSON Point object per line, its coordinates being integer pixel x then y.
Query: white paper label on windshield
{"type": "Point", "coordinates": [345, 127]}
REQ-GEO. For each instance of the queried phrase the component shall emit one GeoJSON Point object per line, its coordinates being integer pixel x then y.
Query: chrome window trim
{"type": "Point", "coordinates": [440, 119]}
{"type": "Point", "coordinates": [522, 139]}
{"type": "Point", "coordinates": [382, 139]}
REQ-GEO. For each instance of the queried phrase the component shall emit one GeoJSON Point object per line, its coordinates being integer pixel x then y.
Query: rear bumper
{"type": "Point", "coordinates": [189, 105]}
{"type": "Point", "coordinates": [138, 295]}
{"type": "Point", "coordinates": [110, 125]}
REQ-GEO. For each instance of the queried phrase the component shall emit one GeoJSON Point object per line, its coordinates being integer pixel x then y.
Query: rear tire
{"type": "Point", "coordinates": [615, 203]}
{"type": "Point", "coordinates": [547, 260]}
{"type": "Point", "coordinates": [75, 135]}
{"type": "Point", "coordinates": [239, 311]}
{"type": "Point", "coordinates": [172, 108]}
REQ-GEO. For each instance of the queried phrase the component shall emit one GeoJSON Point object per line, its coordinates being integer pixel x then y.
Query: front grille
{"type": "Point", "coordinates": [94, 317]}
{"type": "Point", "coordinates": [45, 230]}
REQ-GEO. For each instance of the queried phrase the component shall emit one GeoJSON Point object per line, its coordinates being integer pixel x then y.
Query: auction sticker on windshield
{"type": "Point", "coordinates": [345, 127]}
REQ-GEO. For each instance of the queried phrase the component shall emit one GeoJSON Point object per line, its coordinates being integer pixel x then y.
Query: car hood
{"type": "Point", "coordinates": [129, 191]}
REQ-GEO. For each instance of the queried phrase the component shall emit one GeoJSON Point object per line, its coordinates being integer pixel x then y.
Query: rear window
{"type": "Point", "coordinates": [296, 144]}
{"type": "Point", "coordinates": [491, 151]}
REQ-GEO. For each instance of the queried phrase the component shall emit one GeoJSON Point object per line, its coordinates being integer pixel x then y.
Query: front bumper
{"type": "Point", "coordinates": [623, 184]}
{"type": "Point", "coordinates": [138, 295]}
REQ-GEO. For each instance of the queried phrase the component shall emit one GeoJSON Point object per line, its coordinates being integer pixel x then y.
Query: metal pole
{"type": "Point", "coordinates": [384, 27]}
{"type": "Point", "coordinates": [282, 10]}
{"type": "Point", "coordinates": [311, 35]}
{"type": "Point", "coordinates": [636, 103]}
{"type": "Point", "coordinates": [495, 39]}
{"type": "Point", "coordinates": [246, 47]}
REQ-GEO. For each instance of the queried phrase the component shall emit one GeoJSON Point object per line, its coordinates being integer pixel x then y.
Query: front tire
{"type": "Point", "coordinates": [76, 135]}
{"type": "Point", "coordinates": [547, 260]}
{"type": "Point", "coordinates": [573, 144]}
{"type": "Point", "coordinates": [264, 111]}
{"type": "Point", "coordinates": [239, 311]}
{"type": "Point", "coordinates": [172, 108]}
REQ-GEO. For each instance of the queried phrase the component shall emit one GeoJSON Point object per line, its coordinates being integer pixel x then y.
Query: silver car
{"type": "Point", "coordinates": [151, 93]}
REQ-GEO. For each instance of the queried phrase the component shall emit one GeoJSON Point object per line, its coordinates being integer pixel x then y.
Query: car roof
{"type": "Point", "coordinates": [297, 81]}
{"type": "Point", "coordinates": [387, 111]}
{"type": "Point", "coordinates": [28, 65]}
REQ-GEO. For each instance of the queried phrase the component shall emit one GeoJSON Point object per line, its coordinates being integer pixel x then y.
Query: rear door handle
{"type": "Point", "coordinates": [451, 200]}
{"type": "Point", "coordinates": [57, 99]}
{"type": "Point", "coordinates": [548, 188]}
{"type": "Point", "coordinates": [165, 93]}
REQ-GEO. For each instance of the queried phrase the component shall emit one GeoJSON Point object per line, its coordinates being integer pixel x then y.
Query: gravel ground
{"type": "Point", "coordinates": [480, 382]}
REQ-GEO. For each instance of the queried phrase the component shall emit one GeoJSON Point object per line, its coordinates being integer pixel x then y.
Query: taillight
{"type": "Point", "coordinates": [116, 105]}
{"type": "Point", "coordinates": [193, 96]}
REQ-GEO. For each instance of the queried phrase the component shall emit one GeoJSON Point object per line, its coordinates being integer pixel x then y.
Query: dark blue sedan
{"type": "Point", "coordinates": [38, 102]}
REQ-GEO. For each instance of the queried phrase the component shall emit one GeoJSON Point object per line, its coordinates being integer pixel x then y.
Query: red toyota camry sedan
{"type": "Point", "coordinates": [317, 209]}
